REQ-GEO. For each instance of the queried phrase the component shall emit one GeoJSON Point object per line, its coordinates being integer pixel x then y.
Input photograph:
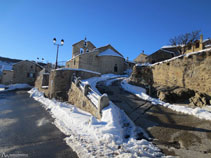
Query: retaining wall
{"type": "Point", "coordinates": [191, 71]}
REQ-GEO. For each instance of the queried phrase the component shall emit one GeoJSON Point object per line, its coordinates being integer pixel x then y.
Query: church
{"type": "Point", "coordinates": [104, 59]}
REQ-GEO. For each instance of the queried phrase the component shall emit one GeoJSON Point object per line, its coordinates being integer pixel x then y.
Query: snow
{"type": "Point", "coordinates": [144, 64]}
{"type": "Point", "coordinates": [141, 93]}
{"type": "Point", "coordinates": [93, 81]}
{"type": "Point", "coordinates": [172, 46]}
{"type": "Point", "coordinates": [167, 51]}
{"type": "Point", "coordinates": [11, 87]}
{"type": "Point", "coordinates": [128, 72]}
{"type": "Point", "coordinates": [90, 137]}
{"type": "Point", "coordinates": [109, 52]}
{"type": "Point", "coordinates": [209, 45]}
{"type": "Point", "coordinates": [5, 66]}
{"type": "Point", "coordinates": [45, 87]}
{"type": "Point", "coordinates": [79, 70]}
{"type": "Point", "coordinates": [205, 40]}
{"type": "Point", "coordinates": [169, 46]}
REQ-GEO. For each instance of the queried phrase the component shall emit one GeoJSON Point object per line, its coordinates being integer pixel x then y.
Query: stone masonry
{"type": "Point", "coordinates": [192, 72]}
{"type": "Point", "coordinates": [59, 82]}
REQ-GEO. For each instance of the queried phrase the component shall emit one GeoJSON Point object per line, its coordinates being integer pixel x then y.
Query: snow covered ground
{"type": "Point", "coordinates": [141, 93]}
{"type": "Point", "coordinates": [90, 137]}
{"type": "Point", "coordinates": [4, 88]}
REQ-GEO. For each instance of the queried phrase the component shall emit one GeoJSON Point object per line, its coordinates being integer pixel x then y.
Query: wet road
{"type": "Point", "coordinates": [175, 133]}
{"type": "Point", "coordinates": [26, 128]}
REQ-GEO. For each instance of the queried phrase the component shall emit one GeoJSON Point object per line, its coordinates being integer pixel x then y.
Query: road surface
{"type": "Point", "coordinates": [174, 133]}
{"type": "Point", "coordinates": [26, 129]}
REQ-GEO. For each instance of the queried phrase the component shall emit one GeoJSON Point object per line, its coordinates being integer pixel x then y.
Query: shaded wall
{"type": "Point", "coordinates": [192, 72]}
{"type": "Point", "coordinates": [60, 82]}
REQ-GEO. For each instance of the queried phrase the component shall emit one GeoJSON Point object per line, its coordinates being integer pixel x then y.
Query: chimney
{"type": "Point", "coordinates": [201, 38]}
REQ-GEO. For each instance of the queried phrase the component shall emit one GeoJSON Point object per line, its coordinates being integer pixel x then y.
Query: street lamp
{"type": "Point", "coordinates": [62, 43]}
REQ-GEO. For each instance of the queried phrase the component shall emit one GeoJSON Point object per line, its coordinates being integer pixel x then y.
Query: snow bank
{"type": "Point", "coordinates": [11, 87]}
{"type": "Point", "coordinates": [90, 137]}
{"type": "Point", "coordinates": [141, 93]}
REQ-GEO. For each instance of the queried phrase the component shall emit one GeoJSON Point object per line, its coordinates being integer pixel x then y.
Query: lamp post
{"type": "Point", "coordinates": [54, 42]}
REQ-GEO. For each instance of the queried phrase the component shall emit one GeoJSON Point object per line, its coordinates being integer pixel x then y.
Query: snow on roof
{"type": "Point", "coordinates": [5, 66]}
{"type": "Point", "coordinates": [169, 46]}
{"type": "Point", "coordinates": [206, 40]}
{"type": "Point", "coordinates": [184, 55]}
{"type": "Point", "coordinates": [168, 51]}
{"type": "Point", "coordinates": [109, 52]}
{"type": "Point", "coordinates": [209, 45]}
{"type": "Point", "coordinates": [79, 70]}
{"type": "Point", "coordinates": [172, 46]}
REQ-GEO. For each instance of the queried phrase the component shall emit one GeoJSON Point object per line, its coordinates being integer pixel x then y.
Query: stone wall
{"type": "Point", "coordinates": [7, 77]}
{"type": "Point", "coordinates": [191, 71]}
{"type": "Point", "coordinates": [60, 81]}
{"type": "Point", "coordinates": [77, 98]}
{"type": "Point", "coordinates": [42, 80]}
{"type": "Point", "coordinates": [101, 64]}
{"type": "Point", "coordinates": [26, 72]}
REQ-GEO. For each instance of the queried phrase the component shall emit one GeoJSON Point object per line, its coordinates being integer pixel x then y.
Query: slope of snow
{"type": "Point", "coordinates": [109, 52]}
{"type": "Point", "coordinates": [140, 92]}
{"type": "Point", "coordinates": [90, 137]}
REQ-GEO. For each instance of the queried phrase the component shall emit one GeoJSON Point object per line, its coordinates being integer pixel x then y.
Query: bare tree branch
{"type": "Point", "coordinates": [184, 39]}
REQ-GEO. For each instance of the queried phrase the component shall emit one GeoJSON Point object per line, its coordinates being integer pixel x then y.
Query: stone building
{"type": "Point", "coordinates": [104, 60]}
{"type": "Point", "coordinates": [196, 45]}
{"type": "Point", "coordinates": [26, 72]}
{"type": "Point", "coordinates": [160, 55]}
{"type": "Point", "coordinates": [141, 58]}
{"type": "Point", "coordinates": [7, 77]}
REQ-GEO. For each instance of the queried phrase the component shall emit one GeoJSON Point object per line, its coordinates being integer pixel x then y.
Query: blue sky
{"type": "Point", "coordinates": [27, 27]}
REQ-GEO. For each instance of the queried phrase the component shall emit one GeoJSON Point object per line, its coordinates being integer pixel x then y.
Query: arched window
{"type": "Point", "coordinates": [115, 68]}
{"type": "Point", "coordinates": [81, 50]}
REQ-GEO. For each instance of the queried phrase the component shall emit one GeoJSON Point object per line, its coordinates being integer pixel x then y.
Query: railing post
{"type": "Point", "coordinates": [73, 77]}
{"type": "Point", "coordinates": [103, 101]}
{"type": "Point", "coordinates": [86, 89]}
{"type": "Point", "coordinates": [77, 81]}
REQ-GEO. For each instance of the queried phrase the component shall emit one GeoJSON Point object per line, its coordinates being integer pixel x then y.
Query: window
{"type": "Point", "coordinates": [189, 46]}
{"type": "Point", "coordinates": [30, 75]}
{"type": "Point", "coordinates": [74, 62]}
{"type": "Point", "coordinates": [197, 44]}
{"type": "Point", "coordinates": [31, 67]}
{"type": "Point", "coordinates": [115, 68]}
{"type": "Point", "coordinates": [81, 50]}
